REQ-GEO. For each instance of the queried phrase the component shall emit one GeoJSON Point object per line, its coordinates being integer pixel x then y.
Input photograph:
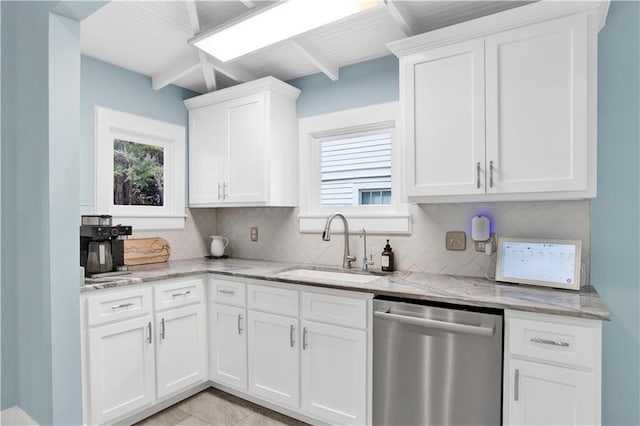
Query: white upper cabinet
{"type": "Point", "coordinates": [243, 146]}
{"type": "Point", "coordinates": [536, 95]}
{"type": "Point", "coordinates": [447, 92]}
{"type": "Point", "coordinates": [502, 107]}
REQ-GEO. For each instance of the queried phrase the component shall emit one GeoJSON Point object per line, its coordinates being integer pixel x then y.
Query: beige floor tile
{"type": "Point", "coordinates": [214, 409]}
{"type": "Point", "coordinates": [168, 417]}
{"type": "Point", "coordinates": [193, 421]}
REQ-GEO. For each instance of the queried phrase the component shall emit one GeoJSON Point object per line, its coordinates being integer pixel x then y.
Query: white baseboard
{"type": "Point", "coordinates": [14, 416]}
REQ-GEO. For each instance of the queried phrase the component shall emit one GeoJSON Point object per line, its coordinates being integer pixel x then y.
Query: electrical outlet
{"type": "Point", "coordinates": [482, 245]}
{"type": "Point", "coordinates": [254, 233]}
{"type": "Point", "coordinates": [456, 240]}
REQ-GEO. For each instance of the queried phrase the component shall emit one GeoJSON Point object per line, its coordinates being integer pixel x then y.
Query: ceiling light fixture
{"type": "Point", "coordinates": [274, 24]}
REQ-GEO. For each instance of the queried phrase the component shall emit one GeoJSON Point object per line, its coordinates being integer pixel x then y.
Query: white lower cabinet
{"type": "Point", "coordinates": [135, 357]}
{"type": "Point", "coordinates": [181, 348]}
{"type": "Point", "coordinates": [228, 345]}
{"type": "Point", "coordinates": [548, 395]}
{"type": "Point", "coordinates": [121, 368]}
{"type": "Point", "coordinates": [334, 373]}
{"type": "Point", "coordinates": [274, 358]}
{"type": "Point", "coordinates": [552, 369]}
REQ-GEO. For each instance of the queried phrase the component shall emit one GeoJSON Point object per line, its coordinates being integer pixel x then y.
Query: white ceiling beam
{"type": "Point", "coordinates": [248, 3]}
{"type": "Point", "coordinates": [174, 73]}
{"type": "Point", "coordinates": [232, 71]}
{"type": "Point", "coordinates": [406, 23]}
{"type": "Point", "coordinates": [324, 64]}
{"type": "Point", "coordinates": [207, 71]}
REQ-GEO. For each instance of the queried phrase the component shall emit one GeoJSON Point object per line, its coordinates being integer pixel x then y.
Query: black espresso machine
{"type": "Point", "coordinates": [102, 247]}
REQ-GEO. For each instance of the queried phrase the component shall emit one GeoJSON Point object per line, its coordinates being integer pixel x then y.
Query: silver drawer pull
{"type": "Point", "coordinates": [149, 331]}
{"type": "Point", "coordinates": [122, 305]}
{"type": "Point", "coordinates": [239, 324]}
{"type": "Point", "coordinates": [230, 292]}
{"type": "Point", "coordinates": [291, 331]}
{"type": "Point", "coordinates": [305, 343]}
{"type": "Point", "coordinates": [186, 293]}
{"type": "Point", "coordinates": [516, 385]}
{"type": "Point", "coordinates": [550, 342]}
{"type": "Point", "coordinates": [162, 333]}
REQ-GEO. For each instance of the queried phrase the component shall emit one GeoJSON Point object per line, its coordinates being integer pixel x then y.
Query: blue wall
{"type": "Point", "coordinates": [615, 213]}
{"type": "Point", "coordinates": [365, 83]}
{"type": "Point", "coordinates": [109, 86]}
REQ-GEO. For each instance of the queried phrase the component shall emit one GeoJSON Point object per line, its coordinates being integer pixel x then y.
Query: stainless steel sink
{"type": "Point", "coordinates": [318, 274]}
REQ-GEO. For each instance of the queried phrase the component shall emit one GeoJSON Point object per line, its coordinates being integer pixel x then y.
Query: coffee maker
{"type": "Point", "coordinates": [102, 247]}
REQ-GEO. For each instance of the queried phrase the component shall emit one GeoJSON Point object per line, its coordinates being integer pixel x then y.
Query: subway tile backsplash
{"type": "Point", "coordinates": [423, 250]}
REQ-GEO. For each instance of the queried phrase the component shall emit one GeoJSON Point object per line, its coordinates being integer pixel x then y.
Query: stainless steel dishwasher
{"type": "Point", "coordinates": [435, 365]}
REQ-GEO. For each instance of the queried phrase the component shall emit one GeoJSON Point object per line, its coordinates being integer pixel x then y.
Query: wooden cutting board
{"type": "Point", "coordinates": [140, 251]}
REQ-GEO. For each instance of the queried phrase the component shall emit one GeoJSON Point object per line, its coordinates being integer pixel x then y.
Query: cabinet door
{"type": "Point", "coordinates": [206, 156]}
{"type": "Point", "coordinates": [274, 366]}
{"type": "Point", "coordinates": [541, 394]}
{"type": "Point", "coordinates": [537, 86]}
{"type": "Point", "coordinates": [244, 134]}
{"type": "Point", "coordinates": [181, 348]}
{"type": "Point", "coordinates": [334, 373]}
{"type": "Point", "coordinates": [228, 345]}
{"type": "Point", "coordinates": [445, 134]}
{"type": "Point", "coordinates": [121, 369]}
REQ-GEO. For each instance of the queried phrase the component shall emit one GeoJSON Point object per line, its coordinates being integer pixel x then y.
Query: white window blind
{"type": "Point", "coordinates": [353, 168]}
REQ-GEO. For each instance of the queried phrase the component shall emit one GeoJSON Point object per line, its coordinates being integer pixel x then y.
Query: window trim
{"type": "Point", "coordinates": [381, 219]}
{"type": "Point", "coordinates": [110, 124]}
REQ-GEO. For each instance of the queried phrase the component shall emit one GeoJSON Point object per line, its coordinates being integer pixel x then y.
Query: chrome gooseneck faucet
{"type": "Point", "coordinates": [326, 236]}
{"type": "Point", "coordinates": [365, 262]}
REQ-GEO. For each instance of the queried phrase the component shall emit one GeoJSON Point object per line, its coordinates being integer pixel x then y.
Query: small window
{"type": "Point", "coordinates": [350, 162]}
{"type": "Point", "coordinates": [356, 165]}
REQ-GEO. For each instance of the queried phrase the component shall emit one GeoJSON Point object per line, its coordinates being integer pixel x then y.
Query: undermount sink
{"type": "Point", "coordinates": [311, 274]}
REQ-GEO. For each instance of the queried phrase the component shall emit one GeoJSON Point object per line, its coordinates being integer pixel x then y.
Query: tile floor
{"type": "Point", "coordinates": [216, 408]}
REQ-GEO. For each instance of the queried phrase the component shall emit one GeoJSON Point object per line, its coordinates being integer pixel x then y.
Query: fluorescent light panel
{"type": "Point", "coordinates": [278, 23]}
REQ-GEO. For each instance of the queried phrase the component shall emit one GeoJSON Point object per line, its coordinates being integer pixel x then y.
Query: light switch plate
{"type": "Point", "coordinates": [254, 233]}
{"type": "Point", "coordinates": [456, 240]}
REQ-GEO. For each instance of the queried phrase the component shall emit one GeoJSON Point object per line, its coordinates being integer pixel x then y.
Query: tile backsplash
{"type": "Point", "coordinates": [193, 240]}
{"type": "Point", "coordinates": [422, 251]}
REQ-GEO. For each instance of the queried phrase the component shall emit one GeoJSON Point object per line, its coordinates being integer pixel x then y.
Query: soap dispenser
{"type": "Point", "coordinates": [387, 258]}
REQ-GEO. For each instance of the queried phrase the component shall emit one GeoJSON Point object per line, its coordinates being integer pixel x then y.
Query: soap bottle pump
{"type": "Point", "coordinates": [387, 258]}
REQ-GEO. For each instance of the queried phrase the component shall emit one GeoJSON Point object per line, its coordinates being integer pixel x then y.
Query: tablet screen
{"type": "Point", "coordinates": [533, 262]}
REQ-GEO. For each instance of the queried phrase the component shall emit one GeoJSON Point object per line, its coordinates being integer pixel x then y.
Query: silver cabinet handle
{"type": "Point", "coordinates": [304, 338]}
{"type": "Point", "coordinates": [230, 292]}
{"type": "Point", "coordinates": [162, 329]}
{"type": "Point", "coordinates": [122, 305]}
{"type": "Point", "coordinates": [219, 186]}
{"type": "Point", "coordinates": [485, 329]}
{"type": "Point", "coordinates": [149, 338]}
{"type": "Point", "coordinates": [181, 294]}
{"type": "Point", "coordinates": [516, 385]}
{"type": "Point", "coordinates": [490, 174]}
{"type": "Point", "coordinates": [291, 330]}
{"type": "Point", "coordinates": [478, 175]}
{"type": "Point", "coordinates": [550, 342]}
{"type": "Point", "coordinates": [239, 324]}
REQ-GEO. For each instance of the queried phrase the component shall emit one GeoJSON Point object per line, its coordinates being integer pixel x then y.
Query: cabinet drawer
{"type": "Point", "coordinates": [119, 305]}
{"type": "Point", "coordinates": [228, 292]}
{"type": "Point", "coordinates": [552, 341]}
{"type": "Point", "coordinates": [271, 299]}
{"type": "Point", "coordinates": [179, 293]}
{"type": "Point", "coordinates": [332, 309]}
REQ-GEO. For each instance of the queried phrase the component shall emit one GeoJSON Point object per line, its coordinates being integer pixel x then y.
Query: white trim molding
{"type": "Point", "coordinates": [111, 124]}
{"type": "Point", "coordinates": [385, 219]}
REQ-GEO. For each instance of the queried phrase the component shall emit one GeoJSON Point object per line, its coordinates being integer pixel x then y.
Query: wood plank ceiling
{"type": "Point", "coordinates": [150, 38]}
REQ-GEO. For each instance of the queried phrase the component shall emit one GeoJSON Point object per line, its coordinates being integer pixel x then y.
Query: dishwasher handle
{"type": "Point", "coordinates": [485, 329]}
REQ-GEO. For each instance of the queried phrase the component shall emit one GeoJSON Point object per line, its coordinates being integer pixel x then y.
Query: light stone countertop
{"type": "Point", "coordinates": [469, 291]}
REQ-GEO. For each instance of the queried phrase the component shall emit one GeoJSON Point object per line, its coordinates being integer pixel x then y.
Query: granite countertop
{"type": "Point", "coordinates": [470, 291]}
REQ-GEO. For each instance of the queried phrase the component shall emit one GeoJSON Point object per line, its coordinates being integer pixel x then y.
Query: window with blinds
{"type": "Point", "coordinates": [356, 170]}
